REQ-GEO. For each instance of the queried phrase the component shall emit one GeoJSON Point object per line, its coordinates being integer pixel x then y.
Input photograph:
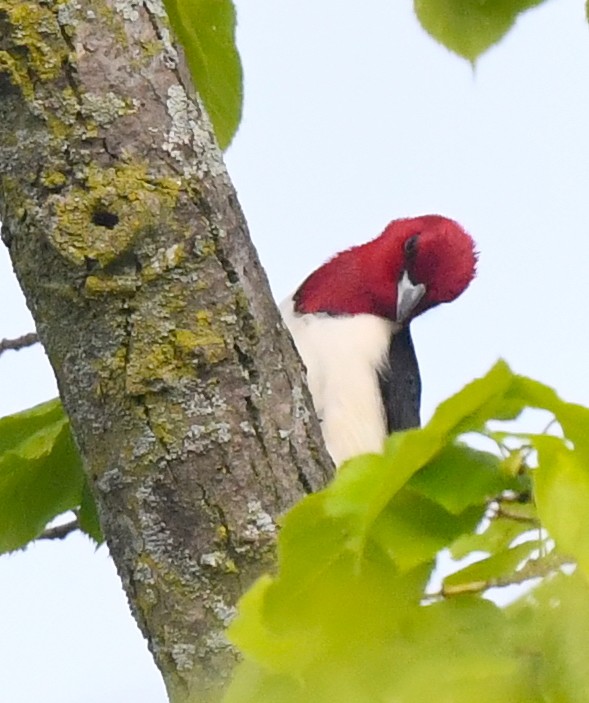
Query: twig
{"type": "Point", "coordinates": [60, 531]}
{"type": "Point", "coordinates": [26, 340]}
{"type": "Point", "coordinates": [497, 507]}
{"type": "Point", "coordinates": [516, 517]}
{"type": "Point", "coordinates": [535, 568]}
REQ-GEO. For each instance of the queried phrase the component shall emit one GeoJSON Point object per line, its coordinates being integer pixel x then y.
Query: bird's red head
{"type": "Point", "coordinates": [415, 264]}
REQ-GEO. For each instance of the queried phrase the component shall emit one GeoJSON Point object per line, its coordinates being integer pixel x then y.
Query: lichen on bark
{"type": "Point", "coordinates": [185, 394]}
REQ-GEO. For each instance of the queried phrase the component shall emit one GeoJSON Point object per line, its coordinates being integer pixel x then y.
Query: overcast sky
{"type": "Point", "coordinates": [353, 117]}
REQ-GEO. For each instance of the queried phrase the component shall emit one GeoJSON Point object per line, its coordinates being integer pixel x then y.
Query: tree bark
{"type": "Point", "coordinates": [184, 391]}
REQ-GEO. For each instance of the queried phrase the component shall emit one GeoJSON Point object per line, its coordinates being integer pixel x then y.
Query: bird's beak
{"type": "Point", "coordinates": [408, 296]}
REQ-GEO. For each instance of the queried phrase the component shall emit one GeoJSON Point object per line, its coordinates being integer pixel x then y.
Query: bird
{"type": "Point", "coordinates": [350, 322]}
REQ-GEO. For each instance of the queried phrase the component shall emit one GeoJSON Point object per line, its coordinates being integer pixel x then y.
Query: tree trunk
{"type": "Point", "coordinates": [185, 394]}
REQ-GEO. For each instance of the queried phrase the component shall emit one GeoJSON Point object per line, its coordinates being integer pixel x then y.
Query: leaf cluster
{"type": "Point", "coordinates": [41, 476]}
{"type": "Point", "coordinates": [357, 610]}
{"type": "Point", "coordinates": [353, 612]}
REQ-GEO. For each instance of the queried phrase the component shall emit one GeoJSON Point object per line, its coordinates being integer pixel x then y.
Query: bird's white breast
{"type": "Point", "coordinates": [342, 355]}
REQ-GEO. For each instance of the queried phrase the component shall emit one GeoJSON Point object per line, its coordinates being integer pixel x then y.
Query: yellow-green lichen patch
{"type": "Point", "coordinates": [163, 429]}
{"type": "Point", "coordinates": [102, 218]}
{"type": "Point", "coordinates": [202, 340]}
{"type": "Point", "coordinates": [34, 29]}
{"type": "Point", "coordinates": [95, 286]}
{"type": "Point", "coordinates": [204, 318]}
{"type": "Point", "coordinates": [59, 129]}
{"type": "Point", "coordinates": [150, 50]}
{"type": "Point", "coordinates": [160, 358]}
{"type": "Point", "coordinates": [206, 248]}
{"type": "Point", "coordinates": [154, 360]}
{"type": "Point", "coordinates": [186, 340]}
{"type": "Point", "coordinates": [203, 343]}
{"type": "Point", "coordinates": [53, 179]}
{"type": "Point", "coordinates": [152, 366]}
{"type": "Point", "coordinates": [61, 109]}
{"type": "Point", "coordinates": [10, 67]}
{"type": "Point", "coordinates": [163, 420]}
{"type": "Point", "coordinates": [173, 299]}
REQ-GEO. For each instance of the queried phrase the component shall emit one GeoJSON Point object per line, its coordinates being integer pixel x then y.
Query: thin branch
{"type": "Point", "coordinates": [498, 507]}
{"type": "Point", "coordinates": [535, 568]}
{"type": "Point", "coordinates": [60, 531]}
{"type": "Point", "coordinates": [26, 340]}
{"type": "Point", "coordinates": [501, 511]}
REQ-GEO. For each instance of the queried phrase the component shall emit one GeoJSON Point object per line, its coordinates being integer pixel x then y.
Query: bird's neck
{"type": "Point", "coordinates": [348, 284]}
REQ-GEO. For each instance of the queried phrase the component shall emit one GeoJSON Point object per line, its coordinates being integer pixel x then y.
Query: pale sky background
{"type": "Point", "coordinates": [353, 117]}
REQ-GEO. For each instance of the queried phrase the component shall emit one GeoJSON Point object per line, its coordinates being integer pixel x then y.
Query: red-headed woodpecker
{"type": "Point", "coordinates": [350, 322]}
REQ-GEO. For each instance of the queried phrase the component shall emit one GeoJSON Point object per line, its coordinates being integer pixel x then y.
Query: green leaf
{"type": "Point", "coordinates": [459, 651]}
{"type": "Point", "coordinates": [497, 536]}
{"type": "Point", "coordinates": [562, 497]}
{"type": "Point", "coordinates": [460, 476]}
{"type": "Point", "coordinates": [552, 623]}
{"type": "Point", "coordinates": [477, 402]}
{"type": "Point", "coordinates": [469, 27]}
{"type": "Point", "coordinates": [206, 29]}
{"type": "Point", "coordinates": [310, 541]}
{"type": "Point", "coordinates": [40, 473]}
{"type": "Point", "coordinates": [302, 649]}
{"type": "Point", "coordinates": [494, 567]}
{"type": "Point", "coordinates": [573, 418]}
{"type": "Point", "coordinates": [16, 429]}
{"type": "Point", "coordinates": [273, 648]}
{"type": "Point", "coordinates": [413, 529]}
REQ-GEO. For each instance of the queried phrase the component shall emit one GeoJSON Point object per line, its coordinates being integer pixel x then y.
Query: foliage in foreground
{"type": "Point", "coordinates": [357, 610]}
{"type": "Point", "coordinates": [353, 613]}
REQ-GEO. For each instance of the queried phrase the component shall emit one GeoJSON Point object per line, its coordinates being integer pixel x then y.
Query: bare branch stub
{"type": "Point", "coordinates": [25, 340]}
{"type": "Point", "coordinates": [60, 531]}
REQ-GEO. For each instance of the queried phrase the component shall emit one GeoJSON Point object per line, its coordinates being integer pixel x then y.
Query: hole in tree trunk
{"type": "Point", "coordinates": [104, 218]}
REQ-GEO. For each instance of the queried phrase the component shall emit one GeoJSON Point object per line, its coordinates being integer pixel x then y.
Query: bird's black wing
{"type": "Point", "coordinates": [400, 383]}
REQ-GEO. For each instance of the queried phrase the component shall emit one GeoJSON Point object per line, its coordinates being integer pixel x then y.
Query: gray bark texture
{"type": "Point", "coordinates": [185, 394]}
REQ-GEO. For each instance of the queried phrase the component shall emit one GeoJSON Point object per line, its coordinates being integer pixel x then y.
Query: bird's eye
{"type": "Point", "coordinates": [410, 246]}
